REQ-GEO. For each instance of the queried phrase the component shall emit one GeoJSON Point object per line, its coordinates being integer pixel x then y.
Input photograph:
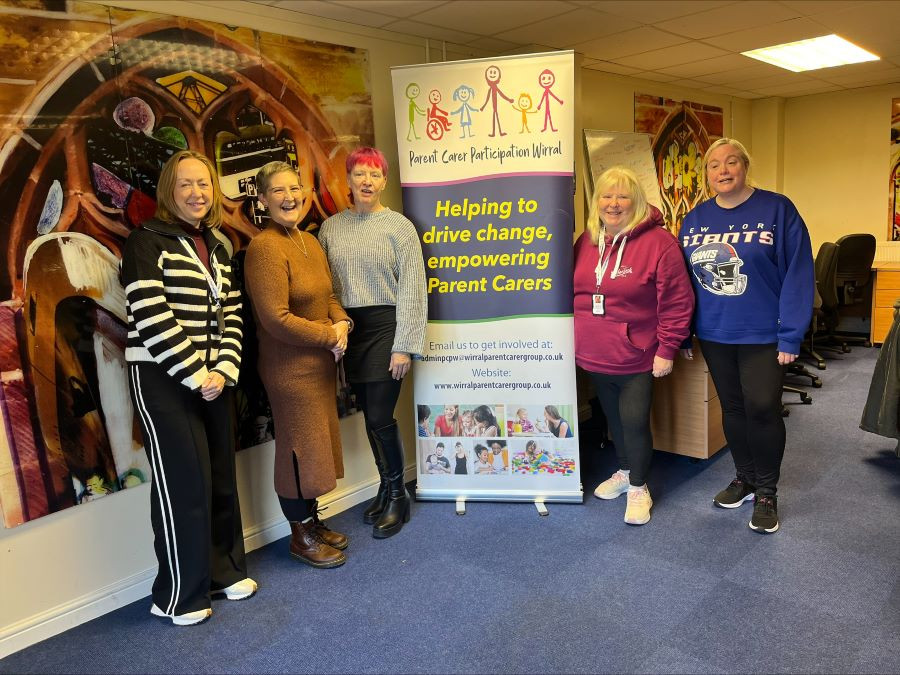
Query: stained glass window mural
{"type": "Point", "coordinates": [94, 100]}
{"type": "Point", "coordinates": [682, 131]}
{"type": "Point", "coordinates": [894, 174]}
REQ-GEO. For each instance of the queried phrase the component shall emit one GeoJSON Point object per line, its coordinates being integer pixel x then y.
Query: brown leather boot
{"type": "Point", "coordinates": [326, 534]}
{"type": "Point", "coordinates": [306, 545]}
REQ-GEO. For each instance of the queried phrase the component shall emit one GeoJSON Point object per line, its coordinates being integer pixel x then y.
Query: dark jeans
{"type": "Point", "coordinates": [626, 403]}
{"type": "Point", "coordinates": [748, 379]}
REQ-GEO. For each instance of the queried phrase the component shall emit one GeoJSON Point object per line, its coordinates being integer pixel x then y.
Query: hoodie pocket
{"type": "Point", "coordinates": [625, 338]}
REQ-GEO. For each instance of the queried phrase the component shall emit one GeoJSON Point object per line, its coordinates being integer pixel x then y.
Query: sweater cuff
{"type": "Point", "coordinates": [667, 352]}
{"type": "Point", "coordinates": [227, 370]}
{"type": "Point", "coordinates": [789, 347]}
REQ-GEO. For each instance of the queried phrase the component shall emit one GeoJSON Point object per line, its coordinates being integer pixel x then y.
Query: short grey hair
{"type": "Point", "coordinates": [264, 175]}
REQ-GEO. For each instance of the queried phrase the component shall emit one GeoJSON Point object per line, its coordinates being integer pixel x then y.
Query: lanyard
{"type": "Point", "coordinates": [215, 285]}
{"type": "Point", "coordinates": [600, 270]}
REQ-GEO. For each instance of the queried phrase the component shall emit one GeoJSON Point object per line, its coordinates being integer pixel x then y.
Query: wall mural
{"type": "Point", "coordinates": [894, 174]}
{"type": "Point", "coordinates": [682, 131]}
{"type": "Point", "coordinates": [93, 103]}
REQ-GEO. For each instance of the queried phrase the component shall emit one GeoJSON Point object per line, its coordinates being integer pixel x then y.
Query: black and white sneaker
{"type": "Point", "coordinates": [734, 495]}
{"type": "Point", "coordinates": [765, 514]}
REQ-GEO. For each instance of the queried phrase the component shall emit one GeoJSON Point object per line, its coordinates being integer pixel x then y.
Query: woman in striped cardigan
{"type": "Point", "coordinates": [183, 353]}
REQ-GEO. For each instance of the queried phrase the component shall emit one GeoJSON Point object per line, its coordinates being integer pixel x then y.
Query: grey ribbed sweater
{"type": "Point", "coordinates": [376, 259]}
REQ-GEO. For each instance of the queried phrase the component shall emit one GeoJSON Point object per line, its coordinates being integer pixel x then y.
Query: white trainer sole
{"type": "Point", "coordinates": [748, 498]}
{"type": "Point", "coordinates": [189, 619]}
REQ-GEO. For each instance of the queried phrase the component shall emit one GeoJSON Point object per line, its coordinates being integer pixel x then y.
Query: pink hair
{"type": "Point", "coordinates": [367, 157]}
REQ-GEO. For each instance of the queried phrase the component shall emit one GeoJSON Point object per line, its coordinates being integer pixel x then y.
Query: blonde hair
{"type": "Point", "coordinates": [265, 174]}
{"type": "Point", "coordinates": [742, 154]}
{"type": "Point", "coordinates": [614, 177]}
{"type": "Point", "coordinates": [167, 209]}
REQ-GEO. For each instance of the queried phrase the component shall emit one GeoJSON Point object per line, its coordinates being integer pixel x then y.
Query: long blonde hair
{"type": "Point", "coordinates": [743, 155]}
{"type": "Point", "coordinates": [614, 177]}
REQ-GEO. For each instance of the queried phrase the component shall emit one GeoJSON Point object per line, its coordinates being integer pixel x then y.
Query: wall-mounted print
{"type": "Point", "coordinates": [894, 180]}
{"type": "Point", "coordinates": [93, 101]}
{"type": "Point", "coordinates": [681, 131]}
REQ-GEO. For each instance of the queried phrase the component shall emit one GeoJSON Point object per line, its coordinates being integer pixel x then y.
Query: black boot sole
{"type": "Point", "coordinates": [371, 520]}
{"type": "Point", "coordinates": [322, 566]}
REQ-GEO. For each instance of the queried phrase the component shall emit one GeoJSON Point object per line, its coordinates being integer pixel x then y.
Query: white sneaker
{"type": "Point", "coordinates": [189, 619]}
{"type": "Point", "coordinates": [612, 487]}
{"type": "Point", "coordinates": [637, 510]}
{"type": "Point", "coordinates": [241, 590]}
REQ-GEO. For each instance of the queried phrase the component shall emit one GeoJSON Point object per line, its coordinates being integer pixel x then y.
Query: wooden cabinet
{"type": "Point", "coordinates": [686, 418]}
{"type": "Point", "coordinates": [885, 291]}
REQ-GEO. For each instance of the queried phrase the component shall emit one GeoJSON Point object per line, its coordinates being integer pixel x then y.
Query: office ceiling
{"type": "Point", "coordinates": [690, 43]}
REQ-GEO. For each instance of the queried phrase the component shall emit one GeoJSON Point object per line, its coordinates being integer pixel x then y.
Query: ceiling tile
{"type": "Point", "coordinates": [566, 30]}
{"type": "Point", "coordinates": [426, 30]}
{"type": "Point", "coordinates": [718, 64]}
{"type": "Point", "coordinates": [396, 8]}
{"type": "Point", "coordinates": [653, 11]}
{"type": "Point", "coordinates": [769, 35]}
{"type": "Point", "coordinates": [660, 58]}
{"type": "Point", "coordinates": [757, 69]}
{"type": "Point", "coordinates": [656, 77]}
{"type": "Point", "coordinates": [493, 44]}
{"type": "Point", "coordinates": [609, 67]}
{"type": "Point", "coordinates": [871, 25]}
{"type": "Point", "coordinates": [328, 10]}
{"type": "Point", "coordinates": [857, 78]}
{"type": "Point", "coordinates": [689, 83]}
{"type": "Point", "coordinates": [797, 88]}
{"type": "Point", "coordinates": [628, 42]}
{"type": "Point", "coordinates": [811, 7]}
{"type": "Point", "coordinates": [488, 17]}
{"type": "Point", "coordinates": [749, 14]}
{"type": "Point", "coordinates": [786, 77]}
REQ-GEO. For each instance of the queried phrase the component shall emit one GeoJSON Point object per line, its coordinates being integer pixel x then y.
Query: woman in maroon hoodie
{"type": "Point", "coordinates": [633, 306]}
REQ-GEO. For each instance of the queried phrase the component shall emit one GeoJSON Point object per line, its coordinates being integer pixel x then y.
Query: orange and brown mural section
{"type": "Point", "coordinates": [93, 101]}
{"type": "Point", "coordinates": [681, 132]}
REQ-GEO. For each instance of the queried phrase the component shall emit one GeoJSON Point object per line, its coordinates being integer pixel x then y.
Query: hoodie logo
{"type": "Point", "coordinates": [623, 271]}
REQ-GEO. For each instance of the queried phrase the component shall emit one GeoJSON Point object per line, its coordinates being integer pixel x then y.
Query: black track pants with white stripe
{"type": "Point", "coordinates": [194, 509]}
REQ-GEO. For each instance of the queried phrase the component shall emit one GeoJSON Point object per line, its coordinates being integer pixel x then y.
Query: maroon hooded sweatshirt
{"type": "Point", "coordinates": [648, 299]}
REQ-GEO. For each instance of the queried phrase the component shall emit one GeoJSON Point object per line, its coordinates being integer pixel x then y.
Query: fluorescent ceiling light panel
{"type": "Point", "coordinates": [827, 51]}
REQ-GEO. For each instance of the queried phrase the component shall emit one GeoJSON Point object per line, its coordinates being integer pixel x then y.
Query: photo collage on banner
{"type": "Point", "coordinates": [487, 170]}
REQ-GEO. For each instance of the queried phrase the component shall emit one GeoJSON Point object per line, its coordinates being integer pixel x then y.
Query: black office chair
{"type": "Point", "coordinates": [854, 275]}
{"type": "Point", "coordinates": [826, 317]}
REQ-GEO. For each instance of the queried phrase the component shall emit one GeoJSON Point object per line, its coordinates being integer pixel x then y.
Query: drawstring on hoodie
{"type": "Point", "coordinates": [600, 270]}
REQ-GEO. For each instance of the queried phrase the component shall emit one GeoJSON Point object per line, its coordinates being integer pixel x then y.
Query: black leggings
{"type": "Point", "coordinates": [748, 379]}
{"type": "Point", "coordinates": [377, 401]}
{"type": "Point", "coordinates": [626, 403]}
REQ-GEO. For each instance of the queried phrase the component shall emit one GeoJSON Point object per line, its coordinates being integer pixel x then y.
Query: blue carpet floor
{"type": "Point", "coordinates": [502, 590]}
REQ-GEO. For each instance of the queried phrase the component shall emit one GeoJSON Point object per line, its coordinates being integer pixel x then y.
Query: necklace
{"type": "Point", "coordinates": [303, 243]}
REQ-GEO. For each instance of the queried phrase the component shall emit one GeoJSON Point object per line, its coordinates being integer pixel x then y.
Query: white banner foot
{"type": "Point", "coordinates": [541, 508]}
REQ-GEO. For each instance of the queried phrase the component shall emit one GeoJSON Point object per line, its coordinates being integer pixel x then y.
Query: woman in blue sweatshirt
{"type": "Point", "coordinates": [751, 264]}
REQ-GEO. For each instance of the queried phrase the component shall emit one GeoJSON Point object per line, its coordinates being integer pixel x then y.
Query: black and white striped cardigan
{"type": "Point", "coordinates": [170, 307]}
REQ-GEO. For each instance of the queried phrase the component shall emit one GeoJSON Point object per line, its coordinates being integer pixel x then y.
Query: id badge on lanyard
{"type": "Point", "coordinates": [598, 308]}
{"type": "Point", "coordinates": [213, 287]}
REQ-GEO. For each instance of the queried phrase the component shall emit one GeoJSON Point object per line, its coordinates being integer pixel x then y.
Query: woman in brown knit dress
{"type": "Point", "coordinates": [302, 332]}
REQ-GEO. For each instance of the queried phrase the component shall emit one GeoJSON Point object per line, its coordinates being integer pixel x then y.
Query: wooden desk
{"type": "Point", "coordinates": [885, 289]}
{"type": "Point", "coordinates": [686, 418]}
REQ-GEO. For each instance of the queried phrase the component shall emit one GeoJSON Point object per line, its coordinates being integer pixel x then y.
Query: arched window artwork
{"type": "Point", "coordinates": [681, 132]}
{"type": "Point", "coordinates": [79, 163]}
{"type": "Point", "coordinates": [894, 180]}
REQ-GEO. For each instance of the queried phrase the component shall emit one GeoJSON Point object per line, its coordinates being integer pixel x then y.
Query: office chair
{"type": "Point", "coordinates": [826, 289]}
{"type": "Point", "coordinates": [856, 252]}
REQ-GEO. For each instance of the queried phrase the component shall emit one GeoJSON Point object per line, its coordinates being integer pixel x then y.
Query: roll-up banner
{"type": "Point", "coordinates": [487, 168]}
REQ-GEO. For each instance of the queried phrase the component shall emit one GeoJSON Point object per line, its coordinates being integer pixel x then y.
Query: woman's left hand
{"type": "Point", "coordinates": [212, 386]}
{"type": "Point", "coordinates": [661, 366]}
{"type": "Point", "coordinates": [400, 364]}
{"type": "Point", "coordinates": [784, 358]}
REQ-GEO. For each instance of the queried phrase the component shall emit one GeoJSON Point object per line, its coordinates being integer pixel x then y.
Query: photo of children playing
{"type": "Point", "coordinates": [451, 420]}
{"type": "Point", "coordinates": [536, 420]}
{"type": "Point", "coordinates": [542, 456]}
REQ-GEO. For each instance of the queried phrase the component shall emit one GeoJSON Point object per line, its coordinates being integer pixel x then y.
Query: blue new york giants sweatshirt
{"type": "Point", "coordinates": [752, 270]}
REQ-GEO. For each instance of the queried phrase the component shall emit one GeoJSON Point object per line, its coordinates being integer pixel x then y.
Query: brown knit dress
{"type": "Point", "coordinates": [294, 307]}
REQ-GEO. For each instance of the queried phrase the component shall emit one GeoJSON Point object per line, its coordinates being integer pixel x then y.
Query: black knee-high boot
{"type": "Point", "coordinates": [396, 511]}
{"type": "Point", "coordinates": [376, 506]}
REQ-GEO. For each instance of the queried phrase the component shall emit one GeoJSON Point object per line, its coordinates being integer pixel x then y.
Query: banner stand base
{"type": "Point", "coordinates": [473, 495]}
{"type": "Point", "coordinates": [541, 509]}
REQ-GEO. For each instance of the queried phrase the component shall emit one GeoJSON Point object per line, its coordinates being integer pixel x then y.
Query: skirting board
{"type": "Point", "coordinates": [61, 618]}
